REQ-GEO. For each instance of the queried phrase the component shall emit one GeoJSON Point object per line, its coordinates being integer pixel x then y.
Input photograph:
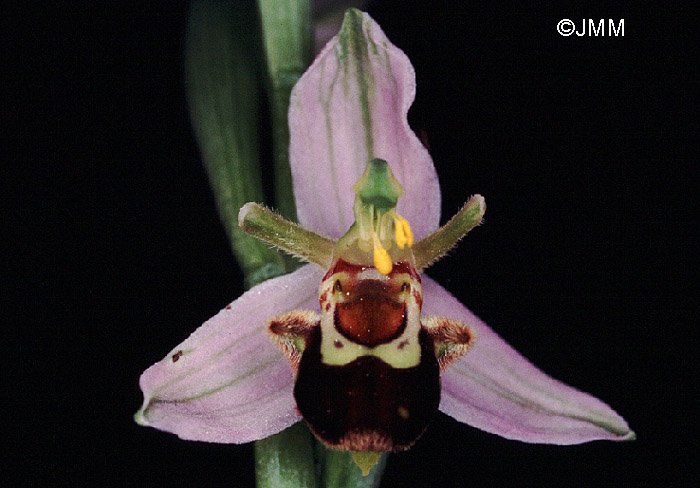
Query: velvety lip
{"type": "Point", "coordinates": [370, 320]}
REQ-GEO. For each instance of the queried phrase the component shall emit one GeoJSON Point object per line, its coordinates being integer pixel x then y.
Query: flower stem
{"type": "Point", "coordinates": [286, 460]}
{"type": "Point", "coordinates": [222, 91]}
{"type": "Point", "coordinates": [286, 32]}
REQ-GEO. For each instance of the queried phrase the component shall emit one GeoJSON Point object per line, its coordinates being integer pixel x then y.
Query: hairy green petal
{"type": "Point", "coordinates": [437, 244]}
{"type": "Point", "coordinates": [268, 226]}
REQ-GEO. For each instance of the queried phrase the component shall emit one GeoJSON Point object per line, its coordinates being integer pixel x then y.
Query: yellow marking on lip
{"type": "Point", "coordinates": [365, 460]}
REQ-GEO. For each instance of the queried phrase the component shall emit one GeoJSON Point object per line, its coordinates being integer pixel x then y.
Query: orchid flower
{"type": "Point", "coordinates": [368, 201]}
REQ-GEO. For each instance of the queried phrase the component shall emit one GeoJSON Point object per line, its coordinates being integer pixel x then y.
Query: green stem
{"type": "Point", "coordinates": [222, 91]}
{"type": "Point", "coordinates": [286, 460]}
{"type": "Point", "coordinates": [286, 32]}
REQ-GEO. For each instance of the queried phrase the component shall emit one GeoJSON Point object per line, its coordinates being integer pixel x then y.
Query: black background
{"type": "Point", "coordinates": [583, 147]}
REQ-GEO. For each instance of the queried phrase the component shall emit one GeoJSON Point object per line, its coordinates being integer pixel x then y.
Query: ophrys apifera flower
{"type": "Point", "coordinates": [376, 346]}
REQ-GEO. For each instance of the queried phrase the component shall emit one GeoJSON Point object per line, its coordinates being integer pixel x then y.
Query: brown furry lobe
{"type": "Point", "coordinates": [290, 333]}
{"type": "Point", "coordinates": [451, 338]}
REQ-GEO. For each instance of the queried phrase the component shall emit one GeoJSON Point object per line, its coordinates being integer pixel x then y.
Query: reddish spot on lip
{"type": "Point", "coordinates": [370, 320]}
{"type": "Point", "coordinates": [177, 356]}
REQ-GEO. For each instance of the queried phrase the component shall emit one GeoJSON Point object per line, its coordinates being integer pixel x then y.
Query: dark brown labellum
{"type": "Point", "coordinates": [367, 405]}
